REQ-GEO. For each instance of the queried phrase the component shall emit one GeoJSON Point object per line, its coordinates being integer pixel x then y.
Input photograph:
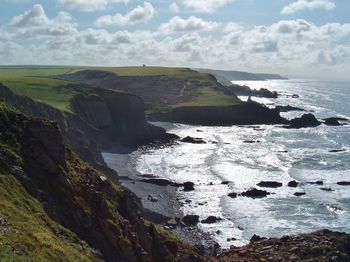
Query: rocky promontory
{"type": "Point", "coordinates": [321, 246]}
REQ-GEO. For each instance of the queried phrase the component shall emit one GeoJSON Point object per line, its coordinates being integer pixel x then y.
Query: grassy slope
{"type": "Point", "coordinates": [27, 233]}
{"type": "Point", "coordinates": [34, 81]}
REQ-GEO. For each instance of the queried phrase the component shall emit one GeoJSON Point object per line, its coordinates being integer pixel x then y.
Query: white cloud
{"type": "Point", "coordinates": [140, 14]}
{"type": "Point", "coordinates": [301, 5]}
{"type": "Point", "coordinates": [89, 5]}
{"type": "Point", "coordinates": [174, 8]}
{"type": "Point", "coordinates": [192, 24]}
{"type": "Point", "coordinates": [34, 17]}
{"type": "Point", "coordinates": [205, 6]}
{"type": "Point", "coordinates": [34, 22]}
{"type": "Point", "coordinates": [297, 47]}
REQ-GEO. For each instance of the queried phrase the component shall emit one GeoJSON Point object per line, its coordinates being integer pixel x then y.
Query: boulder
{"type": "Point", "coordinates": [328, 189]}
{"type": "Point", "coordinates": [293, 183]}
{"type": "Point", "coordinates": [188, 186]}
{"type": "Point", "coordinates": [255, 193]}
{"type": "Point", "coordinates": [319, 183]}
{"type": "Point", "coordinates": [299, 193]}
{"type": "Point", "coordinates": [306, 120]}
{"type": "Point", "coordinates": [193, 140]}
{"type": "Point", "coordinates": [256, 238]}
{"type": "Point", "coordinates": [272, 184]}
{"type": "Point", "coordinates": [190, 220]}
{"type": "Point", "coordinates": [334, 121]}
{"type": "Point", "coordinates": [344, 183]}
{"type": "Point", "coordinates": [232, 195]}
{"type": "Point", "coordinates": [211, 220]}
{"type": "Point", "coordinates": [289, 108]}
{"type": "Point", "coordinates": [336, 150]}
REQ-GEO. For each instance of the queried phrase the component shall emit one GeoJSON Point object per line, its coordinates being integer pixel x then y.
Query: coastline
{"type": "Point", "coordinates": [161, 202]}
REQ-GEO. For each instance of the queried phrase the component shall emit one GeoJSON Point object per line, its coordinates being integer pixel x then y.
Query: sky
{"type": "Point", "coordinates": [296, 38]}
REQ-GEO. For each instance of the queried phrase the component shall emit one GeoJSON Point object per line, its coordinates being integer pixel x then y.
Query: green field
{"type": "Point", "coordinates": [35, 82]}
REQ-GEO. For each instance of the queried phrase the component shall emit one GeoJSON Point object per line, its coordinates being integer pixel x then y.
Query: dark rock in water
{"type": "Point", "coordinates": [344, 183]}
{"type": "Point", "coordinates": [299, 193]}
{"type": "Point", "coordinates": [306, 120]}
{"type": "Point", "coordinates": [319, 183]}
{"type": "Point", "coordinates": [293, 183]}
{"type": "Point", "coordinates": [272, 184]}
{"type": "Point", "coordinates": [190, 220]}
{"type": "Point", "coordinates": [336, 150]}
{"type": "Point", "coordinates": [160, 182]}
{"type": "Point", "coordinates": [225, 182]}
{"type": "Point", "coordinates": [211, 220]}
{"type": "Point", "coordinates": [256, 238]}
{"type": "Point", "coordinates": [328, 189]}
{"type": "Point", "coordinates": [148, 176]}
{"type": "Point", "coordinates": [335, 121]}
{"type": "Point", "coordinates": [232, 195]}
{"type": "Point", "coordinates": [193, 140]}
{"type": "Point", "coordinates": [188, 186]}
{"type": "Point", "coordinates": [289, 108]}
{"type": "Point", "coordinates": [295, 96]}
{"type": "Point", "coordinates": [332, 122]}
{"type": "Point", "coordinates": [255, 193]}
{"type": "Point", "coordinates": [250, 141]}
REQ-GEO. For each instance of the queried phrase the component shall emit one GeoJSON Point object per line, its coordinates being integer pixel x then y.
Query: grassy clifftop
{"type": "Point", "coordinates": [161, 88]}
{"type": "Point", "coordinates": [55, 207]}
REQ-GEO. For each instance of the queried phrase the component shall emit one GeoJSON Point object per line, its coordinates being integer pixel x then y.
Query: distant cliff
{"type": "Point", "coordinates": [228, 76]}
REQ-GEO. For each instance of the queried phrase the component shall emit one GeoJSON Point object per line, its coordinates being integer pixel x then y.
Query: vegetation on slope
{"type": "Point", "coordinates": [55, 207]}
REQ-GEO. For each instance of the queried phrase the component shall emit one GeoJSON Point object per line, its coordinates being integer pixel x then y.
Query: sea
{"type": "Point", "coordinates": [227, 163]}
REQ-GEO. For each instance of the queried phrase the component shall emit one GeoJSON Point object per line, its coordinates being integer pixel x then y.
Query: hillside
{"type": "Point", "coordinates": [55, 207]}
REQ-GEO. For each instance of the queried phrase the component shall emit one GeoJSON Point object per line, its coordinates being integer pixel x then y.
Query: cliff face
{"type": "Point", "coordinates": [54, 206]}
{"type": "Point", "coordinates": [242, 114]}
{"type": "Point", "coordinates": [101, 120]}
{"type": "Point", "coordinates": [120, 116]}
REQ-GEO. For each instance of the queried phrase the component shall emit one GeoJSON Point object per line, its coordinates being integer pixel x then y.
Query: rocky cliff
{"type": "Point", "coordinates": [242, 114]}
{"type": "Point", "coordinates": [101, 120]}
{"type": "Point", "coordinates": [55, 207]}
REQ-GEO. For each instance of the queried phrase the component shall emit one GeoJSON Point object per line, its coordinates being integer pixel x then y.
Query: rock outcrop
{"type": "Point", "coordinates": [320, 246]}
{"type": "Point", "coordinates": [241, 114]}
{"type": "Point", "coordinates": [306, 120]}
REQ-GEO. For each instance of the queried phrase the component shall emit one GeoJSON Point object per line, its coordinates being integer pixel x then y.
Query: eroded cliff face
{"type": "Point", "coordinates": [72, 211]}
{"type": "Point", "coordinates": [120, 116]}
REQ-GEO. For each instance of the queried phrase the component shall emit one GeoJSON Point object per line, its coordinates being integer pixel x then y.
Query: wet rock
{"type": "Point", "coordinates": [336, 150]}
{"type": "Point", "coordinates": [190, 220]}
{"type": "Point", "coordinates": [193, 140]}
{"type": "Point", "coordinates": [295, 96]}
{"type": "Point", "coordinates": [289, 108]}
{"type": "Point", "coordinates": [293, 183]}
{"type": "Point", "coordinates": [256, 238]}
{"type": "Point", "coordinates": [152, 199]}
{"type": "Point", "coordinates": [272, 184]}
{"type": "Point", "coordinates": [232, 195]}
{"type": "Point", "coordinates": [188, 186]}
{"type": "Point", "coordinates": [255, 193]}
{"type": "Point", "coordinates": [319, 183]}
{"type": "Point", "coordinates": [331, 122]}
{"type": "Point", "coordinates": [250, 141]}
{"type": "Point", "coordinates": [328, 189]}
{"type": "Point", "coordinates": [172, 223]}
{"type": "Point", "coordinates": [306, 120]}
{"type": "Point", "coordinates": [211, 220]}
{"type": "Point", "coordinates": [160, 182]}
{"type": "Point", "coordinates": [299, 193]}
{"type": "Point", "coordinates": [225, 182]}
{"type": "Point", "coordinates": [344, 183]}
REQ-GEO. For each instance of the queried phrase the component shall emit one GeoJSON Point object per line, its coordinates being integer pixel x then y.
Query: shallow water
{"type": "Point", "coordinates": [279, 154]}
